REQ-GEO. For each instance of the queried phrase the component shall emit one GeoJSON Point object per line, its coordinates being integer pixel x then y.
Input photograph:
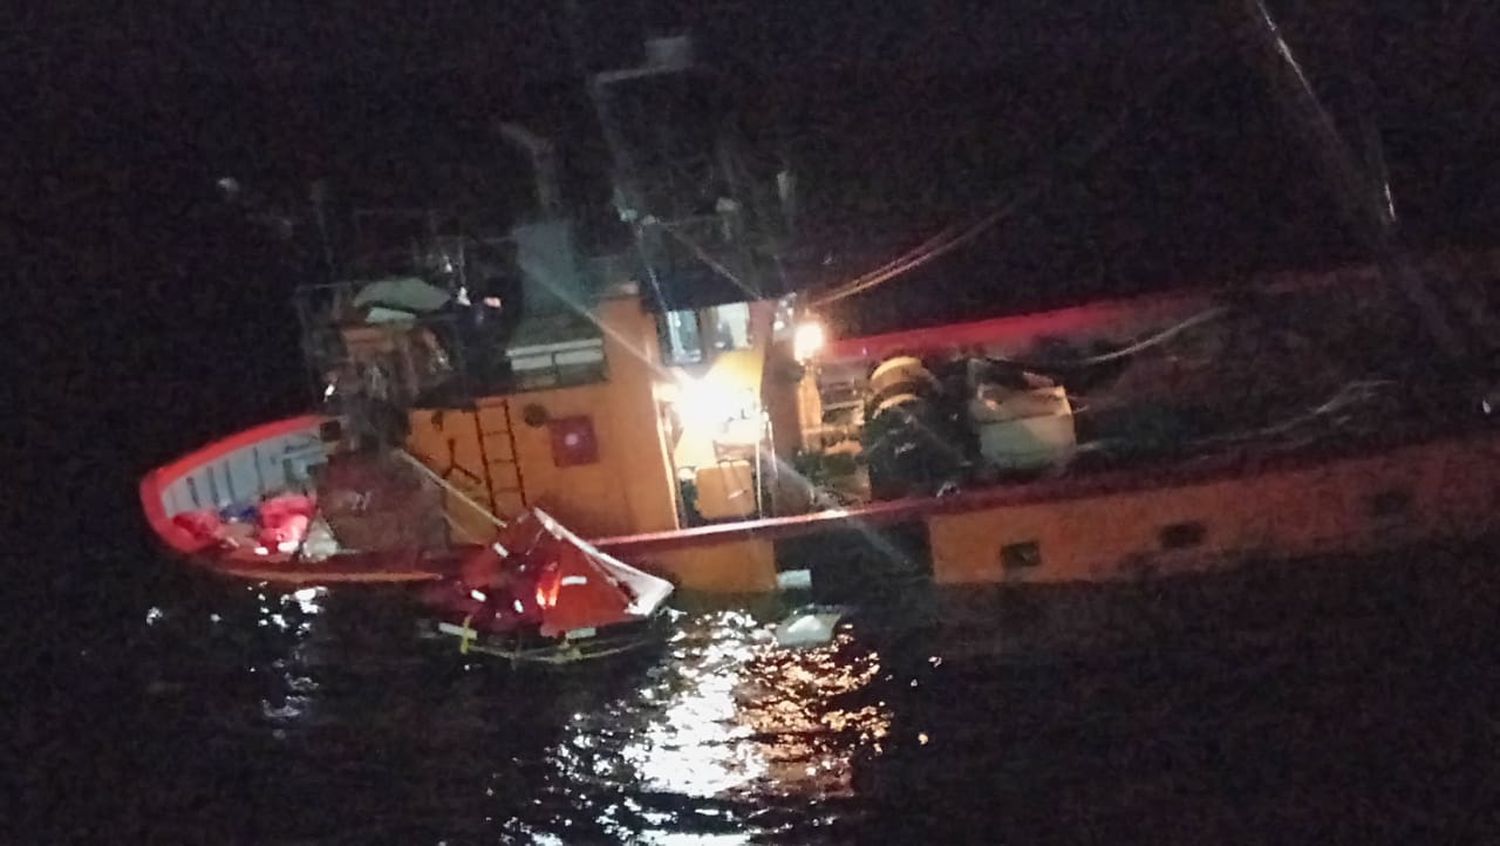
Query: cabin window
{"type": "Point", "coordinates": [329, 431]}
{"type": "Point", "coordinates": [681, 337]}
{"type": "Point", "coordinates": [1020, 556]}
{"type": "Point", "coordinates": [728, 327]}
{"type": "Point", "coordinates": [558, 365]}
{"type": "Point", "coordinates": [695, 337]}
{"type": "Point", "coordinates": [1182, 535]}
{"type": "Point", "coordinates": [1391, 503]}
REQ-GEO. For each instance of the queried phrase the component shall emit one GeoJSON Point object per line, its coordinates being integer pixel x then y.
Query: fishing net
{"type": "Point", "coordinates": [376, 502]}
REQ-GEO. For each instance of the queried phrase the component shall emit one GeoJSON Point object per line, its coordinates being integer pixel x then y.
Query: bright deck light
{"type": "Point", "coordinates": [807, 339]}
{"type": "Point", "coordinates": [710, 401]}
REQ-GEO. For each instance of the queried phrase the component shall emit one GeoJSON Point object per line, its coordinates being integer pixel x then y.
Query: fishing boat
{"type": "Point", "coordinates": [1139, 473]}
{"type": "Point", "coordinates": [680, 406]}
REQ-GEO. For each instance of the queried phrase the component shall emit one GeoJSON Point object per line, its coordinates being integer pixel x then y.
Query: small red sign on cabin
{"type": "Point", "coordinates": [573, 441]}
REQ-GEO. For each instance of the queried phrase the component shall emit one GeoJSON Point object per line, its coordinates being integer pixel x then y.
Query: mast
{"type": "Point", "coordinates": [624, 179]}
{"type": "Point", "coordinates": [1359, 179]}
{"type": "Point", "coordinates": [687, 197]}
{"type": "Point", "coordinates": [543, 156]}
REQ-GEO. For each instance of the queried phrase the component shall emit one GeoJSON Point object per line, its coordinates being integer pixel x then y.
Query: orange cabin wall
{"type": "Point", "coordinates": [745, 565]}
{"type": "Point", "coordinates": [588, 498]}
{"type": "Point", "coordinates": [629, 489]}
{"type": "Point", "coordinates": [448, 439]}
{"type": "Point", "coordinates": [639, 456]}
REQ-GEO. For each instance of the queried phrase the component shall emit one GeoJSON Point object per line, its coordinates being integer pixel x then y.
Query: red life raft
{"type": "Point", "coordinates": [541, 592]}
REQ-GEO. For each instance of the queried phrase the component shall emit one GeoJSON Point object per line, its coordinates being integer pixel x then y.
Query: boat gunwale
{"type": "Point", "coordinates": [1187, 471]}
{"type": "Point", "coordinates": [155, 482]}
{"type": "Point", "coordinates": [1192, 470]}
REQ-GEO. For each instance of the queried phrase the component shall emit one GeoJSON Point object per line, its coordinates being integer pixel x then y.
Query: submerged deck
{"type": "Point", "coordinates": [1200, 512]}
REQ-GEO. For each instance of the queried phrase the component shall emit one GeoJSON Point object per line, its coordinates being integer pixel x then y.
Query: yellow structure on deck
{"type": "Point", "coordinates": [593, 455]}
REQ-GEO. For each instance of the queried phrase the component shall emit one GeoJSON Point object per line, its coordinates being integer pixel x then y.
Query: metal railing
{"type": "Point", "coordinates": [421, 360]}
{"type": "Point", "coordinates": [431, 358]}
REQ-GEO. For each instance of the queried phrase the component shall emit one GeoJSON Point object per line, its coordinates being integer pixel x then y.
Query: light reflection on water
{"type": "Point", "coordinates": [694, 742]}
{"type": "Point", "coordinates": [732, 715]}
{"type": "Point", "coordinates": [342, 721]}
{"type": "Point", "coordinates": [691, 745]}
{"type": "Point", "coordinates": [724, 723]}
{"type": "Point", "coordinates": [298, 690]}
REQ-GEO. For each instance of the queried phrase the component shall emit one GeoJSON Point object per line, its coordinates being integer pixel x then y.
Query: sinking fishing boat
{"type": "Point", "coordinates": [679, 407]}
{"type": "Point", "coordinates": [540, 594]}
{"type": "Point", "coordinates": [714, 474]}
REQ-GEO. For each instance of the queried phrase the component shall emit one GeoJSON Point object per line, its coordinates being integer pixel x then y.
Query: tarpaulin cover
{"type": "Point", "coordinates": [405, 294]}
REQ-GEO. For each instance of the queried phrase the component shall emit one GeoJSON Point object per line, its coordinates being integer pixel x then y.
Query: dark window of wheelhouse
{"type": "Point", "coordinates": [1389, 503]}
{"type": "Point", "coordinates": [681, 337]}
{"type": "Point", "coordinates": [691, 336]}
{"type": "Point", "coordinates": [1020, 556]}
{"type": "Point", "coordinates": [728, 327]}
{"type": "Point", "coordinates": [1182, 535]}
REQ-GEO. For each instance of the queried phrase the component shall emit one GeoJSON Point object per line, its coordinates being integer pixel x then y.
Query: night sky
{"type": "Point", "coordinates": [900, 118]}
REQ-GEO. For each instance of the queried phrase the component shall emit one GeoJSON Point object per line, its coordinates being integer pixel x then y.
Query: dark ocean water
{"type": "Point", "coordinates": [1341, 701]}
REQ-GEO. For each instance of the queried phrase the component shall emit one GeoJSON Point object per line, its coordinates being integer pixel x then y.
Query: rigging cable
{"type": "Point", "coordinates": [1104, 358]}
{"type": "Point", "coordinates": [706, 257]}
{"type": "Point", "coordinates": [485, 513]}
{"type": "Point", "coordinates": [1352, 394]}
{"type": "Point", "coordinates": [937, 246]}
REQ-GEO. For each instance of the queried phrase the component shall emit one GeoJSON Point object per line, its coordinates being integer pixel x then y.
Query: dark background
{"type": "Point", "coordinates": [151, 317]}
